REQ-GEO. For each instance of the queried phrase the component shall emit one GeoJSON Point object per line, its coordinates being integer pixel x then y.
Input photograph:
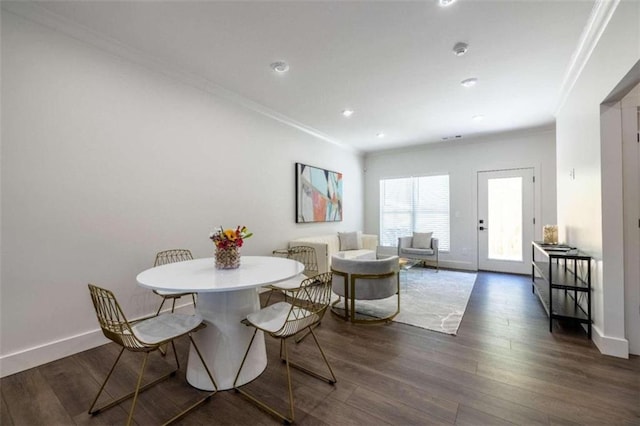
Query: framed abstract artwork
{"type": "Point", "coordinates": [318, 194]}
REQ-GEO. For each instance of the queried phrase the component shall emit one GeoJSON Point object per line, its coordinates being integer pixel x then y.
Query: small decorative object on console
{"type": "Point", "coordinates": [550, 234]}
{"type": "Point", "coordinates": [228, 243]}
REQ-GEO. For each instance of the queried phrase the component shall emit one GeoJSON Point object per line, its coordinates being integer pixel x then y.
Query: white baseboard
{"type": "Point", "coordinates": [38, 355]}
{"type": "Point", "coordinates": [51, 351]}
{"type": "Point", "coordinates": [613, 346]}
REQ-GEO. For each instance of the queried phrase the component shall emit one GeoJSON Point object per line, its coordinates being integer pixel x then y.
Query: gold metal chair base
{"type": "Point", "coordinates": [351, 315]}
{"type": "Point", "coordinates": [173, 298]}
{"type": "Point", "coordinates": [141, 388]}
{"type": "Point", "coordinates": [350, 298]}
{"type": "Point", "coordinates": [283, 348]}
{"type": "Point", "coordinates": [304, 336]}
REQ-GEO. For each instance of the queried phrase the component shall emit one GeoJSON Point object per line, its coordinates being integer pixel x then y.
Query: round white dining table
{"type": "Point", "coordinates": [225, 298]}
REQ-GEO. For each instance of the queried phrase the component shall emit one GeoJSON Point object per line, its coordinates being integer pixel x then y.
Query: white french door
{"type": "Point", "coordinates": [505, 220]}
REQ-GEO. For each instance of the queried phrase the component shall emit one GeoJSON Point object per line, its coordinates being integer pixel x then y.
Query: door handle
{"type": "Point", "coordinates": [482, 228]}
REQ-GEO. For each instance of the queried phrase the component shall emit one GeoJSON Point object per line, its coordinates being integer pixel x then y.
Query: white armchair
{"type": "Point", "coordinates": [364, 279]}
{"type": "Point", "coordinates": [420, 246]}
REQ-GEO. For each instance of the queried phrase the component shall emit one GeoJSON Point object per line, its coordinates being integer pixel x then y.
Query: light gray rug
{"type": "Point", "coordinates": [435, 301]}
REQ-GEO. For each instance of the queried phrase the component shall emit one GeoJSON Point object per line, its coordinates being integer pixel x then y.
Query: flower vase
{"type": "Point", "coordinates": [228, 257]}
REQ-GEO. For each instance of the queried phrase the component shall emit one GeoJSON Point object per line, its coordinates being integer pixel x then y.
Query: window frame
{"type": "Point", "coordinates": [414, 208]}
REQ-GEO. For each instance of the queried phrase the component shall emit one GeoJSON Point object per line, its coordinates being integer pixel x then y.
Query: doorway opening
{"type": "Point", "coordinates": [506, 220]}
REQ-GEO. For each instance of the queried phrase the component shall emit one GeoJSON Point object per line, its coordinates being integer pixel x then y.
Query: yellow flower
{"type": "Point", "coordinates": [230, 234]}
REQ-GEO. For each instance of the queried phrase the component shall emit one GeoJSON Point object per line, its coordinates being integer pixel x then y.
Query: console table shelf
{"type": "Point", "coordinates": [561, 278]}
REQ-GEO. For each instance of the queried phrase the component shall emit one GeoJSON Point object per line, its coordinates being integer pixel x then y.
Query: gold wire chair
{"type": "Point", "coordinates": [172, 256]}
{"type": "Point", "coordinates": [283, 320]}
{"type": "Point", "coordinates": [146, 335]}
{"type": "Point", "coordinates": [303, 254]}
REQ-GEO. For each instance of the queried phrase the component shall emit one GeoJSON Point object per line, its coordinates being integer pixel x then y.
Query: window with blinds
{"type": "Point", "coordinates": [414, 204]}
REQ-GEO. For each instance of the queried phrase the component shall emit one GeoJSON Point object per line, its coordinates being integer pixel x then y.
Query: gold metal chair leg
{"type": "Point", "coordinates": [175, 355]}
{"type": "Point", "coordinates": [286, 361]}
{"type": "Point", "coordinates": [160, 307]}
{"type": "Point", "coordinates": [173, 304]}
{"type": "Point", "coordinates": [235, 381]}
{"type": "Point", "coordinates": [129, 395]}
{"type": "Point", "coordinates": [326, 361]}
{"type": "Point", "coordinates": [193, 296]}
{"type": "Point", "coordinates": [135, 395]}
{"type": "Point", "coordinates": [253, 399]}
{"type": "Point", "coordinates": [333, 309]}
{"type": "Point", "coordinates": [202, 400]}
{"type": "Point", "coordinates": [266, 302]}
{"type": "Point", "coordinates": [113, 367]}
{"type": "Point", "coordinates": [163, 352]}
{"type": "Point", "coordinates": [331, 380]}
{"type": "Point", "coordinates": [304, 336]}
{"type": "Point", "coordinates": [206, 367]}
{"type": "Point", "coordinates": [284, 350]}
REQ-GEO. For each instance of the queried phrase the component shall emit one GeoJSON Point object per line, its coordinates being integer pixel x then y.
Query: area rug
{"type": "Point", "coordinates": [428, 299]}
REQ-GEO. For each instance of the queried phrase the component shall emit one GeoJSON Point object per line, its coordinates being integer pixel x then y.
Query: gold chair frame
{"type": "Point", "coordinates": [350, 297]}
{"type": "Point", "coordinates": [303, 254]}
{"type": "Point", "coordinates": [307, 305]}
{"type": "Point", "coordinates": [118, 329]}
{"type": "Point", "coordinates": [172, 256]}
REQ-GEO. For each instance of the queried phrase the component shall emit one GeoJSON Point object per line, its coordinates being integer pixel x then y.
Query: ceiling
{"type": "Point", "coordinates": [391, 62]}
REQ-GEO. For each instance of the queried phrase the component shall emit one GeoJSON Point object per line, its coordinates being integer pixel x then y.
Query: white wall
{"type": "Point", "coordinates": [462, 160]}
{"type": "Point", "coordinates": [631, 185]}
{"type": "Point", "coordinates": [589, 206]}
{"type": "Point", "coordinates": [104, 163]}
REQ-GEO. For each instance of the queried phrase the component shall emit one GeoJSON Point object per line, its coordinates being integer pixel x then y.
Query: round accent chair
{"type": "Point", "coordinates": [364, 279]}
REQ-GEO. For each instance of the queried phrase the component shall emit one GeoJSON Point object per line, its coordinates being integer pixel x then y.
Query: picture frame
{"type": "Point", "coordinates": [318, 194]}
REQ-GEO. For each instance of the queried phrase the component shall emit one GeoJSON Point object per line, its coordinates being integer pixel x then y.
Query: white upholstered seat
{"type": "Point", "coordinates": [407, 249]}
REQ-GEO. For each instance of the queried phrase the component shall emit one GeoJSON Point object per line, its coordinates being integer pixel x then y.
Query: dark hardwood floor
{"type": "Point", "coordinates": [503, 367]}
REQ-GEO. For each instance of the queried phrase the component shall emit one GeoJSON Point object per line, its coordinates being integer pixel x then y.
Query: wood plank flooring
{"type": "Point", "coordinates": [503, 367]}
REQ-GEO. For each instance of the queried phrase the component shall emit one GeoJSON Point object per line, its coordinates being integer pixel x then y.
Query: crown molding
{"type": "Point", "coordinates": [596, 24]}
{"type": "Point", "coordinates": [39, 15]}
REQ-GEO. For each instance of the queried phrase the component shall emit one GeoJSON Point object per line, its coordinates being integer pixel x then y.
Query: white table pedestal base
{"type": "Point", "coordinates": [224, 341]}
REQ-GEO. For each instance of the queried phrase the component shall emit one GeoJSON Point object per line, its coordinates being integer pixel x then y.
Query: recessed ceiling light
{"type": "Point", "coordinates": [380, 135]}
{"type": "Point", "coordinates": [347, 112]}
{"type": "Point", "coordinates": [445, 3]}
{"type": "Point", "coordinates": [478, 117]}
{"type": "Point", "coordinates": [280, 66]}
{"type": "Point", "coordinates": [460, 48]}
{"type": "Point", "coordinates": [469, 82]}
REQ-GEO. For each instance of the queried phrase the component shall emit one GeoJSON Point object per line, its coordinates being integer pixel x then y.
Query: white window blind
{"type": "Point", "coordinates": [414, 204]}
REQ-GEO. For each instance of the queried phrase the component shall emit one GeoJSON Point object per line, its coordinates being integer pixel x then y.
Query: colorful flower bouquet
{"type": "Point", "coordinates": [228, 243]}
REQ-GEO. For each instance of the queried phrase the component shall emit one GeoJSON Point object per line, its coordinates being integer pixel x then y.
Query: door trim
{"type": "Point", "coordinates": [537, 204]}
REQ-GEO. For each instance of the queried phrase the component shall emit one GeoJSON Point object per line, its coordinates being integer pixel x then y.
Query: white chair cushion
{"type": "Point", "coordinates": [166, 293]}
{"type": "Point", "coordinates": [290, 284]}
{"type": "Point", "coordinates": [421, 240]}
{"type": "Point", "coordinates": [165, 327]}
{"type": "Point", "coordinates": [419, 252]}
{"type": "Point", "coordinates": [273, 317]}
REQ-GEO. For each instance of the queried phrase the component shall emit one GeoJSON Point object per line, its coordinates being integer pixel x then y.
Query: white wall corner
{"type": "Point", "coordinates": [607, 345]}
{"type": "Point", "coordinates": [598, 20]}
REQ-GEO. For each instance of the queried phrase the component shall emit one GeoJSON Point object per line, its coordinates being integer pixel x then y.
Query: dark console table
{"type": "Point", "coordinates": [561, 278]}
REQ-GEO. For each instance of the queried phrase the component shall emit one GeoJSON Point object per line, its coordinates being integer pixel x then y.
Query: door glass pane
{"type": "Point", "coordinates": [505, 218]}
